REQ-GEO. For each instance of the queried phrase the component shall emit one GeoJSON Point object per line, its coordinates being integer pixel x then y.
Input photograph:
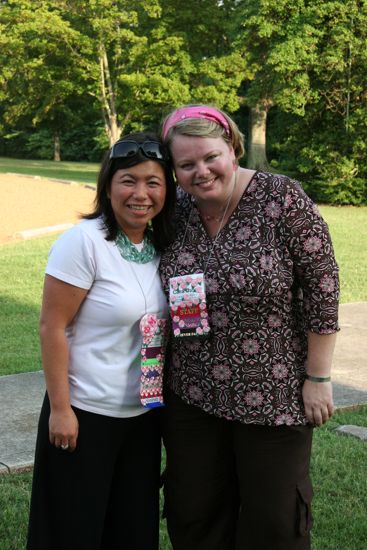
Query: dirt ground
{"type": "Point", "coordinates": [31, 203]}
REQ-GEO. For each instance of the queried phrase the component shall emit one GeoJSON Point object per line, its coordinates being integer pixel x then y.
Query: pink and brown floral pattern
{"type": "Point", "coordinates": [312, 244]}
{"type": "Point", "coordinates": [280, 371]}
{"type": "Point", "coordinates": [270, 278]}
{"type": "Point", "coordinates": [222, 372]}
{"type": "Point", "coordinates": [250, 347]}
{"type": "Point", "coordinates": [254, 399]}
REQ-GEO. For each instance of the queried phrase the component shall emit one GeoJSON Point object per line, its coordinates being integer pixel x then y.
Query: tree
{"type": "Point", "coordinates": [279, 41]}
{"type": "Point", "coordinates": [207, 35]}
{"type": "Point", "coordinates": [327, 144]}
{"type": "Point", "coordinates": [54, 52]}
{"type": "Point", "coordinates": [133, 60]}
{"type": "Point", "coordinates": [134, 66]}
{"type": "Point", "coordinates": [334, 156]}
{"type": "Point", "coordinates": [42, 65]}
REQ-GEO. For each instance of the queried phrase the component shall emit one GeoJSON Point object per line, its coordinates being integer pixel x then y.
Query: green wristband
{"type": "Point", "coordinates": [318, 378]}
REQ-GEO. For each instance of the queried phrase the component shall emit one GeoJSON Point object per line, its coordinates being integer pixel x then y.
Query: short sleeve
{"type": "Point", "coordinates": [311, 249]}
{"type": "Point", "coordinates": [72, 258]}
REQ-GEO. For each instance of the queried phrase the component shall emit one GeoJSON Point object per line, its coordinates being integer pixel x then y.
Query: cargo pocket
{"type": "Point", "coordinates": [304, 498]}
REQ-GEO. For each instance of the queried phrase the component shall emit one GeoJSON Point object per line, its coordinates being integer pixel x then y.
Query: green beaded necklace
{"type": "Point", "coordinates": [130, 253]}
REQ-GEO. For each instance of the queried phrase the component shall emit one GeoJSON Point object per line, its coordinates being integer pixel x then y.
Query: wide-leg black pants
{"type": "Point", "coordinates": [232, 486]}
{"type": "Point", "coordinates": [103, 496]}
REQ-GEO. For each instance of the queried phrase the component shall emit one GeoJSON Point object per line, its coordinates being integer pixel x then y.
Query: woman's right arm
{"type": "Point", "coordinates": [61, 302]}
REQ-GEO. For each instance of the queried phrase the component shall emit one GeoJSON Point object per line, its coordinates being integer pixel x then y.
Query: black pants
{"type": "Point", "coordinates": [235, 486]}
{"type": "Point", "coordinates": [105, 495]}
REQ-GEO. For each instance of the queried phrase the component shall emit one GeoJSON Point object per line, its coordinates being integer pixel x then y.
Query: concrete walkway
{"type": "Point", "coordinates": [21, 394]}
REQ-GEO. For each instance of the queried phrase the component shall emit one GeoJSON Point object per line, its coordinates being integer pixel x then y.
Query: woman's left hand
{"type": "Point", "coordinates": [318, 401]}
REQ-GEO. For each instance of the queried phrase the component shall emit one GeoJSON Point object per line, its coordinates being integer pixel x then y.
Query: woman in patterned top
{"type": "Point", "coordinates": [245, 390]}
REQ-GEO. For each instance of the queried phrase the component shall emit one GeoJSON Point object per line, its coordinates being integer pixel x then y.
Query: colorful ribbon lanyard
{"type": "Point", "coordinates": [154, 333]}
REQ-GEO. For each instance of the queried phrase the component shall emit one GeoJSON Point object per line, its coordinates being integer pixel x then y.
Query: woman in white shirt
{"type": "Point", "coordinates": [102, 326]}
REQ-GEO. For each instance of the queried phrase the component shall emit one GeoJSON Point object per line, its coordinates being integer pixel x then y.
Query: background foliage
{"type": "Point", "coordinates": [76, 74]}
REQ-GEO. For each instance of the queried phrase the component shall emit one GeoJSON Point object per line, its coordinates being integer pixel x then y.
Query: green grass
{"type": "Point", "coordinates": [82, 172]}
{"type": "Point", "coordinates": [21, 280]}
{"type": "Point", "coordinates": [339, 506]}
{"type": "Point", "coordinates": [15, 492]}
{"type": "Point", "coordinates": [14, 504]}
{"type": "Point", "coordinates": [338, 470]}
{"type": "Point", "coordinates": [348, 227]}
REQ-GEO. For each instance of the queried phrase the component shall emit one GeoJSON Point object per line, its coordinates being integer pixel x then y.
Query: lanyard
{"type": "Point", "coordinates": [217, 234]}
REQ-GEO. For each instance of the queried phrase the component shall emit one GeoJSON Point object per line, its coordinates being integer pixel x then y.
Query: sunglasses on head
{"type": "Point", "coordinates": [129, 149]}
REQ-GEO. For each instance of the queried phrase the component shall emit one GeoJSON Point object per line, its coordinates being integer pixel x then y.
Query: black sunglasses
{"type": "Point", "coordinates": [129, 149]}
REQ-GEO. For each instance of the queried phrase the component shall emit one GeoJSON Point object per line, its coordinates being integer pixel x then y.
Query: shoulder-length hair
{"type": "Point", "coordinates": [162, 224]}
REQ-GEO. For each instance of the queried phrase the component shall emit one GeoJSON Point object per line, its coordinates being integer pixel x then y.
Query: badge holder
{"type": "Point", "coordinates": [154, 332]}
{"type": "Point", "coordinates": [188, 306]}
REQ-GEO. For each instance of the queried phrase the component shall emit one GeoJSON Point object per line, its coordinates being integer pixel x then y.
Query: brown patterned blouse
{"type": "Point", "coordinates": [270, 278]}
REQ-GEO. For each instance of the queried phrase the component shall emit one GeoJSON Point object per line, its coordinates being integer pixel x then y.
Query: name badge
{"type": "Point", "coordinates": [188, 308]}
{"type": "Point", "coordinates": [154, 332]}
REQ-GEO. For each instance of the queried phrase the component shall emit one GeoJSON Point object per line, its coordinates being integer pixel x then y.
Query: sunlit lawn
{"type": "Point", "coordinates": [348, 227]}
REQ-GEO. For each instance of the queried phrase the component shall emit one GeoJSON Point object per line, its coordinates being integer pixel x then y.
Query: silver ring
{"type": "Point", "coordinates": [64, 447]}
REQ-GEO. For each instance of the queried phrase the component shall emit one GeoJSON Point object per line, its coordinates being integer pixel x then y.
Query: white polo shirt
{"type": "Point", "coordinates": [104, 338]}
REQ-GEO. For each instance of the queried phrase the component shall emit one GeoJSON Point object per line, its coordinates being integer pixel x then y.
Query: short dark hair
{"type": "Point", "coordinates": [162, 224]}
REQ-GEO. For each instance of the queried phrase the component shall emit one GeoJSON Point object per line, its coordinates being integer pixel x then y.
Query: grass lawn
{"type": "Point", "coordinates": [348, 228]}
{"type": "Point", "coordinates": [73, 171]}
{"type": "Point", "coordinates": [21, 280]}
{"type": "Point", "coordinates": [15, 491]}
{"type": "Point", "coordinates": [339, 505]}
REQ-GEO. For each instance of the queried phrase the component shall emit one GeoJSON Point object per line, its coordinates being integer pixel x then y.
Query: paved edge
{"type": "Point", "coordinates": [21, 468]}
{"type": "Point", "coordinates": [351, 430]}
{"type": "Point", "coordinates": [30, 233]}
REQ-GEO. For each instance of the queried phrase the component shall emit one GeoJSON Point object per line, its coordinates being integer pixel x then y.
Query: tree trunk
{"type": "Point", "coordinates": [256, 159]}
{"type": "Point", "coordinates": [108, 99]}
{"type": "Point", "coordinates": [57, 147]}
{"type": "Point", "coordinates": [114, 129]}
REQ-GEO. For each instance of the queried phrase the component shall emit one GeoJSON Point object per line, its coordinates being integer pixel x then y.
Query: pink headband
{"type": "Point", "coordinates": [195, 112]}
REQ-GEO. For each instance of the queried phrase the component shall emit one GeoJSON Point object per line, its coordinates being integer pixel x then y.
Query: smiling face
{"type": "Point", "coordinates": [204, 167]}
{"type": "Point", "coordinates": [137, 195]}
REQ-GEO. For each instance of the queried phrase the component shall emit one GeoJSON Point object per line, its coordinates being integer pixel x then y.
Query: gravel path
{"type": "Point", "coordinates": [32, 203]}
